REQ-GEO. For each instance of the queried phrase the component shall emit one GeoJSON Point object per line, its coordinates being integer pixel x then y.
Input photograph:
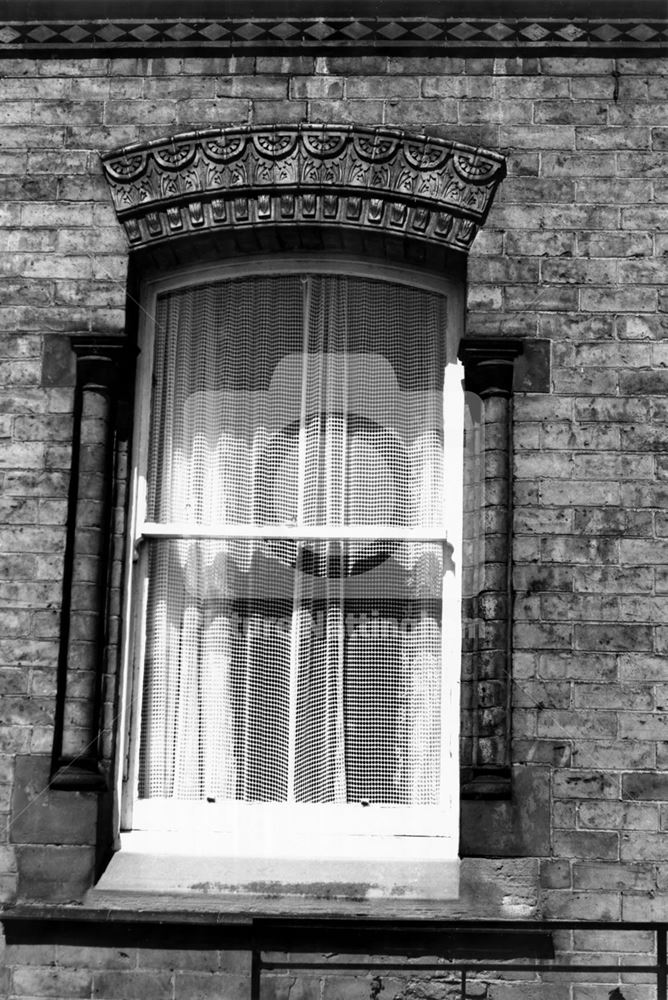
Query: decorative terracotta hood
{"type": "Point", "coordinates": [373, 179]}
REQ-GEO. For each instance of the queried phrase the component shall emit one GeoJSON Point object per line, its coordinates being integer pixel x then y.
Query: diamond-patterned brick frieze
{"type": "Point", "coordinates": [377, 179]}
{"type": "Point", "coordinates": [293, 32]}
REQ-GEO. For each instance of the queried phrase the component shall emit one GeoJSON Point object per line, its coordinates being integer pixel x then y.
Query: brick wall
{"type": "Point", "coordinates": [573, 252]}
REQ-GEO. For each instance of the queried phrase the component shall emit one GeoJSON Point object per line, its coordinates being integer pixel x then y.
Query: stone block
{"type": "Point", "coordinates": [43, 816]}
{"type": "Point", "coordinates": [517, 827]}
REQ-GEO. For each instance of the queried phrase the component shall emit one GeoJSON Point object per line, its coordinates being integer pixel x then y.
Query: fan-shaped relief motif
{"type": "Point", "coordinates": [426, 155]}
{"type": "Point", "coordinates": [375, 148]}
{"type": "Point", "coordinates": [275, 145]}
{"type": "Point", "coordinates": [127, 168]}
{"type": "Point", "coordinates": [175, 157]}
{"type": "Point", "coordinates": [324, 145]}
{"type": "Point", "coordinates": [224, 149]}
{"type": "Point", "coordinates": [471, 167]}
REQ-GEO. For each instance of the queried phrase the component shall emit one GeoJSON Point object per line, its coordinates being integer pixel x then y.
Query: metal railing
{"type": "Point", "coordinates": [467, 956]}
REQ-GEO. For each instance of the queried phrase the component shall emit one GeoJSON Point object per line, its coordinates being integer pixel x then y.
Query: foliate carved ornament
{"type": "Point", "coordinates": [361, 178]}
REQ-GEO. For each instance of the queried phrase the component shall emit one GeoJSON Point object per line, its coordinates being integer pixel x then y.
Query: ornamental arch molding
{"type": "Point", "coordinates": [343, 181]}
{"type": "Point", "coordinates": [352, 178]}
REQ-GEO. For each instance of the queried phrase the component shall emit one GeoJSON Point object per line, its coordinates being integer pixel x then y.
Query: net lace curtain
{"type": "Point", "coordinates": [295, 669]}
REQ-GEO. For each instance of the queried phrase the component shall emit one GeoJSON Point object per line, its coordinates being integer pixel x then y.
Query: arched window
{"type": "Point", "coordinates": [296, 586]}
{"type": "Point", "coordinates": [293, 598]}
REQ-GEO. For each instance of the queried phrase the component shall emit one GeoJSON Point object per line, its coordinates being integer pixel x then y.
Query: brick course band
{"type": "Point", "coordinates": [371, 179]}
{"type": "Point", "coordinates": [393, 33]}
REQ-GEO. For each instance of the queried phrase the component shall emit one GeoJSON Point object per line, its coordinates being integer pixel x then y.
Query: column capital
{"type": "Point", "coordinates": [100, 360]}
{"type": "Point", "coordinates": [489, 365]}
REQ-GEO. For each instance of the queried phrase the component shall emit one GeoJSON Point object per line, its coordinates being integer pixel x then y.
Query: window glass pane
{"type": "Point", "coordinates": [243, 368]}
{"type": "Point", "coordinates": [358, 624]}
{"type": "Point", "coordinates": [287, 670]}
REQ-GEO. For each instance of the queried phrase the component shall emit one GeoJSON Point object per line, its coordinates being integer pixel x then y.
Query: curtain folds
{"type": "Point", "coordinates": [301, 668]}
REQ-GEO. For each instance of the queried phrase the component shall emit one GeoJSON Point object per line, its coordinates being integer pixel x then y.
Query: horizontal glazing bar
{"type": "Point", "coordinates": [353, 532]}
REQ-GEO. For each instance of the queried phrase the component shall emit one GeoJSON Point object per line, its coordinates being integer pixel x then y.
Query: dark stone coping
{"type": "Point", "coordinates": [354, 934]}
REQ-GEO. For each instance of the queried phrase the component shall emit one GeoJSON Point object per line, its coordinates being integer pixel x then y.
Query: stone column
{"type": "Point", "coordinates": [487, 650]}
{"type": "Point", "coordinates": [77, 736]}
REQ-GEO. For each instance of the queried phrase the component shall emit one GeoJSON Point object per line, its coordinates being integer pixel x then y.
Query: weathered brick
{"type": "Point", "coordinates": [613, 876]}
{"type": "Point", "coordinates": [366, 112]}
{"type": "Point", "coordinates": [322, 87]}
{"type": "Point", "coordinates": [615, 244]}
{"type": "Point", "coordinates": [618, 816]}
{"type": "Point", "coordinates": [93, 957]}
{"type": "Point", "coordinates": [594, 905]}
{"type": "Point", "coordinates": [589, 272]}
{"type": "Point", "coordinates": [207, 986]}
{"type": "Point", "coordinates": [606, 520]}
{"type": "Point", "coordinates": [597, 137]}
{"type": "Point", "coordinates": [638, 845]}
{"type": "Point", "coordinates": [171, 959]}
{"type": "Point", "coordinates": [51, 982]}
{"type": "Point", "coordinates": [581, 784]}
{"type": "Point", "coordinates": [609, 636]}
{"type": "Point", "coordinates": [289, 64]}
{"type": "Point", "coordinates": [585, 844]}
{"type": "Point", "coordinates": [372, 65]}
{"type": "Point", "coordinates": [564, 723]}
{"type": "Point", "coordinates": [132, 985]}
{"type": "Point", "coordinates": [578, 164]}
{"type": "Point", "coordinates": [619, 299]}
{"type": "Point", "coordinates": [495, 112]}
{"type": "Point", "coordinates": [647, 787]}
{"type": "Point", "coordinates": [603, 696]}
{"type": "Point", "coordinates": [642, 725]}
{"type": "Point", "coordinates": [419, 113]}
{"type": "Point", "coordinates": [562, 112]}
{"type": "Point", "coordinates": [575, 549]}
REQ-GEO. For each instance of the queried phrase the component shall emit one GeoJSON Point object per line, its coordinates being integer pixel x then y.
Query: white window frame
{"type": "Point", "coordinates": [274, 831]}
